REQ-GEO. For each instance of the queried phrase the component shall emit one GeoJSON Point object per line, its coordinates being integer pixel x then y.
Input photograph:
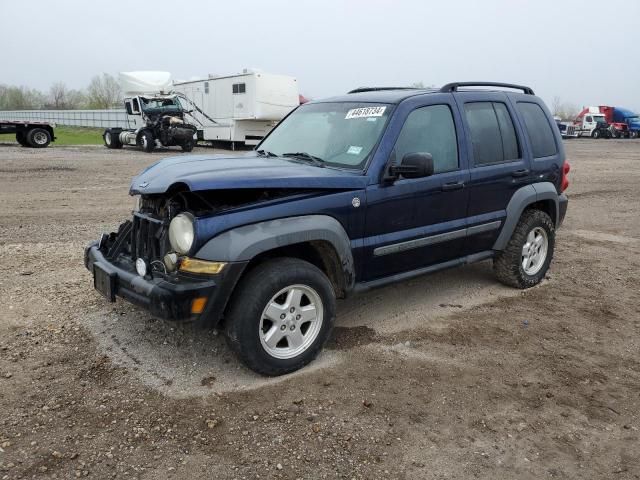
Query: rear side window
{"type": "Point", "coordinates": [492, 133]}
{"type": "Point", "coordinates": [541, 136]}
{"type": "Point", "coordinates": [430, 130]}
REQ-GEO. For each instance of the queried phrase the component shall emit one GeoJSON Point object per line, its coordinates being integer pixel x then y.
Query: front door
{"type": "Point", "coordinates": [414, 223]}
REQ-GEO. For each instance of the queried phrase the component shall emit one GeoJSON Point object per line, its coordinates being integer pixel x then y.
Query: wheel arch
{"type": "Point", "coordinates": [319, 239]}
{"type": "Point", "coordinates": [542, 196]}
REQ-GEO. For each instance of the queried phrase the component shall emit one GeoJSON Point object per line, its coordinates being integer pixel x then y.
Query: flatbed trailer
{"type": "Point", "coordinates": [28, 133]}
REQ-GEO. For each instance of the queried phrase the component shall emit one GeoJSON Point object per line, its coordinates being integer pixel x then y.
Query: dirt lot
{"type": "Point", "coordinates": [447, 376]}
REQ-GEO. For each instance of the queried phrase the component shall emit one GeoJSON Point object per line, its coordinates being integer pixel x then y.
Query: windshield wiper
{"type": "Point", "coordinates": [317, 161]}
{"type": "Point", "coordinates": [265, 153]}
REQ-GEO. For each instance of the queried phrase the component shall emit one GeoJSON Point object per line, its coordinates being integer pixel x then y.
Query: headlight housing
{"type": "Point", "coordinates": [182, 233]}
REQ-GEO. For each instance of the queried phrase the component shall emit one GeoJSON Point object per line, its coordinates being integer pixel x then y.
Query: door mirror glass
{"type": "Point", "coordinates": [414, 165]}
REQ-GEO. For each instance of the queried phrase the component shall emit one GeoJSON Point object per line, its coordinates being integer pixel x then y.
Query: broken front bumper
{"type": "Point", "coordinates": [168, 297]}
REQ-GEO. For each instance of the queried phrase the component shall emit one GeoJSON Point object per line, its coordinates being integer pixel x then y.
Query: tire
{"type": "Point", "coordinates": [21, 139]}
{"type": "Point", "coordinates": [146, 141]}
{"type": "Point", "coordinates": [188, 145]}
{"type": "Point", "coordinates": [272, 345]}
{"type": "Point", "coordinates": [508, 264]}
{"type": "Point", "coordinates": [38, 138]}
{"type": "Point", "coordinates": [111, 139]}
{"type": "Point", "coordinates": [595, 134]}
{"type": "Point", "coordinates": [634, 134]}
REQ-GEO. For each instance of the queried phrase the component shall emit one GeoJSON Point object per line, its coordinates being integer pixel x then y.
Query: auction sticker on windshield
{"type": "Point", "coordinates": [365, 112]}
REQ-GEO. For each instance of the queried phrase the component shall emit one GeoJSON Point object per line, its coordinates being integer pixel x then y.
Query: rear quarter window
{"type": "Point", "coordinates": [543, 143]}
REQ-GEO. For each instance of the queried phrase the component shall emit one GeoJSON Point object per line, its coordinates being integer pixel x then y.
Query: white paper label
{"type": "Point", "coordinates": [353, 150]}
{"type": "Point", "coordinates": [365, 112]}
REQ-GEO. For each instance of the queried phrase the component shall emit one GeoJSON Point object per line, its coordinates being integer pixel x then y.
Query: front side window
{"type": "Point", "coordinates": [541, 136]}
{"type": "Point", "coordinates": [492, 133]}
{"type": "Point", "coordinates": [338, 134]}
{"type": "Point", "coordinates": [589, 119]}
{"type": "Point", "coordinates": [430, 130]}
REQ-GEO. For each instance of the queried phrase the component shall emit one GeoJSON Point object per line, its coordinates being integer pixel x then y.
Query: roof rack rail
{"type": "Point", "coordinates": [453, 87]}
{"type": "Point", "coordinates": [378, 89]}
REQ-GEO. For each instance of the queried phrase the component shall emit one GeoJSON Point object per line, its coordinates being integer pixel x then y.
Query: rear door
{"type": "Point", "coordinates": [498, 165]}
{"type": "Point", "coordinates": [414, 223]}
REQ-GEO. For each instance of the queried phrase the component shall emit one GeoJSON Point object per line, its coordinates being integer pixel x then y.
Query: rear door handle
{"type": "Point", "coordinates": [447, 187]}
{"type": "Point", "coordinates": [520, 173]}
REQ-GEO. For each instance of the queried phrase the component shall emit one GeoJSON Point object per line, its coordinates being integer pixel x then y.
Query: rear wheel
{"type": "Point", "coordinates": [281, 316]}
{"type": "Point", "coordinates": [38, 138]}
{"type": "Point", "coordinates": [21, 138]}
{"type": "Point", "coordinates": [111, 139]}
{"type": "Point", "coordinates": [146, 141]}
{"type": "Point", "coordinates": [526, 259]}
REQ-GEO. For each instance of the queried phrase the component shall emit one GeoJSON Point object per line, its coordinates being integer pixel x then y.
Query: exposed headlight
{"type": "Point", "coordinates": [181, 233]}
{"type": "Point", "coordinates": [138, 200]}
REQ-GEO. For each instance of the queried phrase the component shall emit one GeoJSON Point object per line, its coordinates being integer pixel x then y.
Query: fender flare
{"type": "Point", "coordinates": [242, 244]}
{"type": "Point", "coordinates": [521, 199]}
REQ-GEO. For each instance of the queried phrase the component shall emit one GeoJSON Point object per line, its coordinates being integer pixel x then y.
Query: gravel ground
{"type": "Point", "coordinates": [446, 376]}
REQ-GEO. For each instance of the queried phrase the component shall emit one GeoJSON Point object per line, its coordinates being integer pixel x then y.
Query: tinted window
{"type": "Point", "coordinates": [492, 133]}
{"type": "Point", "coordinates": [543, 143]}
{"type": "Point", "coordinates": [507, 132]}
{"type": "Point", "coordinates": [430, 130]}
{"type": "Point", "coordinates": [239, 88]}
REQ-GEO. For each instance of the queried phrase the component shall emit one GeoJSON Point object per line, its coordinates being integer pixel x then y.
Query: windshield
{"type": "Point", "coordinates": [599, 118]}
{"type": "Point", "coordinates": [634, 119]}
{"type": "Point", "coordinates": [338, 134]}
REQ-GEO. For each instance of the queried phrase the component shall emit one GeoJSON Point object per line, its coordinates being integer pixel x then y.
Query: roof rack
{"type": "Point", "coordinates": [453, 87]}
{"type": "Point", "coordinates": [378, 89]}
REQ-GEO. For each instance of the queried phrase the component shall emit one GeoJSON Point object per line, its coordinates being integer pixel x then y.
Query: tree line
{"type": "Point", "coordinates": [103, 92]}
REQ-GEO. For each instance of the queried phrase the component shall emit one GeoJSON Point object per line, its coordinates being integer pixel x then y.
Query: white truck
{"type": "Point", "coordinates": [592, 123]}
{"type": "Point", "coordinates": [155, 115]}
{"type": "Point", "coordinates": [241, 108]}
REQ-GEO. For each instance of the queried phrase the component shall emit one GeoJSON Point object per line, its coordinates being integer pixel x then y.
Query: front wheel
{"type": "Point", "coordinates": [634, 134]}
{"type": "Point", "coordinates": [188, 145]}
{"type": "Point", "coordinates": [146, 141]}
{"type": "Point", "coordinates": [526, 259]}
{"type": "Point", "coordinates": [281, 316]}
{"type": "Point", "coordinates": [595, 134]}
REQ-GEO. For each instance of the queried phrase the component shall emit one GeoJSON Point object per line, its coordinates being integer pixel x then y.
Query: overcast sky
{"type": "Point", "coordinates": [585, 52]}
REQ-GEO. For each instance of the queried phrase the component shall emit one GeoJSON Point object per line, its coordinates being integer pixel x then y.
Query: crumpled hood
{"type": "Point", "coordinates": [209, 172]}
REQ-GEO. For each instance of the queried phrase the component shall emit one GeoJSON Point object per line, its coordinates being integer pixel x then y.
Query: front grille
{"type": "Point", "coordinates": [148, 237]}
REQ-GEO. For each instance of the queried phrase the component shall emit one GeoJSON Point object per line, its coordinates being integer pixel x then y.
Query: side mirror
{"type": "Point", "coordinates": [414, 165]}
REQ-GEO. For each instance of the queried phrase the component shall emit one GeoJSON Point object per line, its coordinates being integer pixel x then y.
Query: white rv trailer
{"type": "Point", "coordinates": [244, 107]}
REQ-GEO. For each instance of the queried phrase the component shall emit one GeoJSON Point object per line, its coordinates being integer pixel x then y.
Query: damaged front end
{"type": "Point", "coordinates": [150, 260]}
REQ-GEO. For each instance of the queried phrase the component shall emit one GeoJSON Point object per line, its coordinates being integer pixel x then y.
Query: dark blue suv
{"type": "Point", "coordinates": [345, 194]}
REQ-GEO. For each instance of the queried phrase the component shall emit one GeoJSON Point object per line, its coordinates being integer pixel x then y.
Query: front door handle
{"type": "Point", "coordinates": [447, 187]}
{"type": "Point", "coordinates": [520, 173]}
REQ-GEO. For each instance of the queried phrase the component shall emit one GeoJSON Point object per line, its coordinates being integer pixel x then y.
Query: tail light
{"type": "Point", "coordinates": [564, 183]}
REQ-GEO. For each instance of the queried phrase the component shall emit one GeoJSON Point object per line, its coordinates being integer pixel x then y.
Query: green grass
{"type": "Point", "coordinates": [69, 136]}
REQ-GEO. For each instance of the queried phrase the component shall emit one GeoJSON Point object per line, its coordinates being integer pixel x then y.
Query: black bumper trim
{"type": "Point", "coordinates": [170, 300]}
